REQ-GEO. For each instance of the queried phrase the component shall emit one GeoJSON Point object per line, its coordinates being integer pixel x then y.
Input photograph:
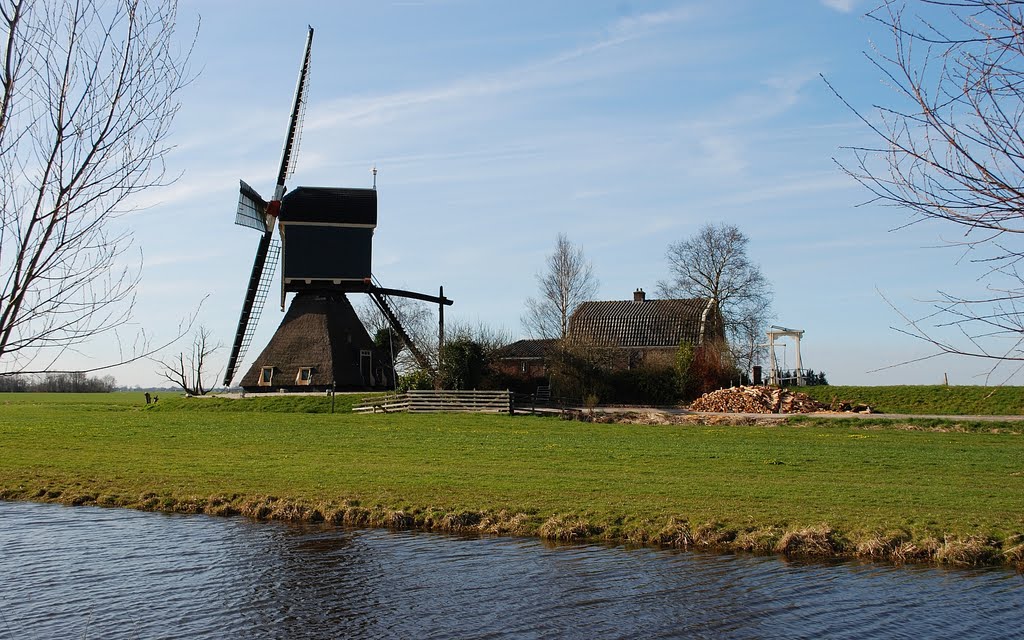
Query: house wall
{"type": "Point", "coordinates": [656, 357]}
{"type": "Point", "coordinates": [521, 368]}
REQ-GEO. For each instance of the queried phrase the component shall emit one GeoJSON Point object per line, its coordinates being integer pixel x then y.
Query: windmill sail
{"type": "Point", "coordinates": [255, 297]}
{"type": "Point", "coordinates": [256, 213]}
{"type": "Point", "coordinates": [252, 209]}
{"type": "Point", "coordinates": [291, 141]}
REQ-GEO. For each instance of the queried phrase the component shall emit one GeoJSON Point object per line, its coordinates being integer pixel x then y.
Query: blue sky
{"type": "Point", "coordinates": [495, 126]}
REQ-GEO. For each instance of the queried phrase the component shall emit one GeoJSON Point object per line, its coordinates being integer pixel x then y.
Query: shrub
{"type": "Point", "coordinates": [463, 364]}
{"type": "Point", "coordinates": [684, 365]}
{"type": "Point", "coordinates": [418, 380]}
{"type": "Point", "coordinates": [712, 368]}
{"type": "Point", "coordinates": [644, 385]}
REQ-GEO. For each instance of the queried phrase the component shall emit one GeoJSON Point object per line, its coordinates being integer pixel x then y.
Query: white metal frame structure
{"type": "Point", "coordinates": [782, 332]}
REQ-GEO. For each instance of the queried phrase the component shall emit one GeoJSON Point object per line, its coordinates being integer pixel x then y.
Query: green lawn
{"type": "Point", "coordinates": [928, 400]}
{"type": "Point", "coordinates": [613, 481]}
{"type": "Point", "coordinates": [116, 399]}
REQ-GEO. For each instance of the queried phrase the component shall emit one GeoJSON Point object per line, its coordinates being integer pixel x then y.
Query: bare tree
{"type": "Point", "coordinates": [952, 150]}
{"type": "Point", "coordinates": [713, 263]}
{"type": "Point", "coordinates": [489, 338]}
{"type": "Point", "coordinates": [417, 319]}
{"type": "Point", "coordinates": [188, 370]}
{"type": "Point", "coordinates": [89, 92]}
{"type": "Point", "coordinates": [566, 281]}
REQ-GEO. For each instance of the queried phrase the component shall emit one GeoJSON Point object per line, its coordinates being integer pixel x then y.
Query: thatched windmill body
{"type": "Point", "coordinates": [325, 247]}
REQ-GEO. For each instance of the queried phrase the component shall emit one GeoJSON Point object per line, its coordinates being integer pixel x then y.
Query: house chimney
{"type": "Point", "coordinates": [639, 295]}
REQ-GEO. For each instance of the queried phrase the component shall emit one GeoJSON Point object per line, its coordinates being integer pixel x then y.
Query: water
{"type": "Point", "coordinates": [85, 572]}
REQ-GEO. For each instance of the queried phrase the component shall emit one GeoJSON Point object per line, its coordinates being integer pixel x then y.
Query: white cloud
{"type": "Point", "coordinates": [630, 26]}
{"type": "Point", "coordinates": [844, 6]}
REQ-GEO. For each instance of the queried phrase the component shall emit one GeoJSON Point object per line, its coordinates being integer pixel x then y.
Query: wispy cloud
{"type": "Point", "coordinates": [630, 26]}
{"type": "Point", "coordinates": [177, 259]}
{"type": "Point", "coordinates": [791, 188]}
{"type": "Point", "coordinates": [558, 69]}
{"type": "Point", "coordinates": [844, 6]}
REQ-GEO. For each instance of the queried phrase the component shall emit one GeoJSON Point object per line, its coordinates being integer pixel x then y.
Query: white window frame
{"type": "Point", "coordinates": [264, 381]}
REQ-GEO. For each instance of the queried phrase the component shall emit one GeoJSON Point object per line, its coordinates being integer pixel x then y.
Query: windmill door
{"type": "Point", "coordinates": [366, 366]}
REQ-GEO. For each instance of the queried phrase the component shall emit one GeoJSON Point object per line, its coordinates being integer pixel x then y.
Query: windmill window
{"type": "Point", "coordinates": [266, 376]}
{"type": "Point", "coordinates": [305, 375]}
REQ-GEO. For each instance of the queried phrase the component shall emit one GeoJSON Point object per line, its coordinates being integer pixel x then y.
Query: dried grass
{"type": "Point", "coordinates": [966, 552]}
{"type": "Point", "coordinates": [564, 528]}
{"type": "Point", "coordinates": [505, 524]}
{"type": "Point", "coordinates": [461, 521]}
{"type": "Point", "coordinates": [821, 541]}
{"type": "Point", "coordinates": [887, 545]}
{"type": "Point", "coordinates": [1014, 556]}
{"type": "Point", "coordinates": [676, 533]}
{"type": "Point", "coordinates": [398, 520]}
{"type": "Point", "coordinates": [758, 540]}
{"type": "Point", "coordinates": [812, 542]}
{"type": "Point", "coordinates": [713, 535]}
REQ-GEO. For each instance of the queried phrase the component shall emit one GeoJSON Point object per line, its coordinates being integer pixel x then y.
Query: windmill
{"type": "Point", "coordinates": [325, 247]}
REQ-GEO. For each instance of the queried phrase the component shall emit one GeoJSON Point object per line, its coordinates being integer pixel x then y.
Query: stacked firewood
{"type": "Point", "coordinates": [756, 400]}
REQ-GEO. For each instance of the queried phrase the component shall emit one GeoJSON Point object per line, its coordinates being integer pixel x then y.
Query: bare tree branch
{"type": "Point", "coordinates": [567, 280]}
{"type": "Point", "coordinates": [89, 93]}
{"type": "Point", "coordinates": [713, 263]}
{"type": "Point", "coordinates": [141, 350]}
{"type": "Point", "coordinates": [418, 321]}
{"type": "Point", "coordinates": [189, 370]}
{"type": "Point", "coordinates": [952, 150]}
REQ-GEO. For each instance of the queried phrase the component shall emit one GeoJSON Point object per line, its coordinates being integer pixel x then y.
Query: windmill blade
{"type": "Point", "coordinates": [291, 141]}
{"type": "Point", "coordinates": [252, 209]}
{"type": "Point", "coordinates": [255, 297]}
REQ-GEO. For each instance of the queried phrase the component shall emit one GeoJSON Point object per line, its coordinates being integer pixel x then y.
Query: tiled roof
{"type": "Point", "coordinates": [526, 349]}
{"type": "Point", "coordinates": [646, 323]}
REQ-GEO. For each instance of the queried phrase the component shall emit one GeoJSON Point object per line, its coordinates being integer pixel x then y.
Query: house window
{"type": "Point", "coordinates": [266, 376]}
{"type": "Point", "coordinates": [305, 376]}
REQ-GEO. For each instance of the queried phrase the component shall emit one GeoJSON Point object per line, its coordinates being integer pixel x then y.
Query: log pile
{"type": "Point", "coordinates": [757, 400]}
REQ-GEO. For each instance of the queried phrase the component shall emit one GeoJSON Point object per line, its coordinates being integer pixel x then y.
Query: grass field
{"type": "Point", "coordinates": [835, 489]}
{"type": "Point", "coordinates": [929, 400]}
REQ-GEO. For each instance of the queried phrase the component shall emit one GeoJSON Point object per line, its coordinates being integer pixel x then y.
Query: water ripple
{"type": "Point", "coordinates": [89, 573]}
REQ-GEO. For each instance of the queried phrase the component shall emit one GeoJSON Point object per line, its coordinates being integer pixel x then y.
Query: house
{"type": "Point", "coordinates": [638, 332]}
{"type": "Point", "coordinates": [525, 359]}
{"type": "Point", "coordinates": [646, 331]}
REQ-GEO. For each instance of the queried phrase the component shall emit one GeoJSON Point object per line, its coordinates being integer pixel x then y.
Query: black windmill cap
{"type": "Point", "coordinates": [330, 204]}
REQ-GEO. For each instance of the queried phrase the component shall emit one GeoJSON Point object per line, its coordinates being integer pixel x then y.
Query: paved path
{"type": "Point", "coordinates": [854, 416]}
{"type": "Point", "coordinates": [823, 414]}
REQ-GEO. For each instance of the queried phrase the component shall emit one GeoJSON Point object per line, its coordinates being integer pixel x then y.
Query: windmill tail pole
{"type": "Point", "coordinates": [440, 333]}
{"type": "Point", "coordinates": [385, 308]}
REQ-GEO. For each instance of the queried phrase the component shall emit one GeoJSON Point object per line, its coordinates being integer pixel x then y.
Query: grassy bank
{"type": "Point", "coordinates": [928, 400]}
{"type": "Point", "coordinates": [835, 489]}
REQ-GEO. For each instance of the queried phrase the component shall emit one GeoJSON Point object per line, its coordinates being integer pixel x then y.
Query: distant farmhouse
{"type": "Point", "coordinates": [643, 333]}
{"type": "Point", "coordinates": [526, 359]}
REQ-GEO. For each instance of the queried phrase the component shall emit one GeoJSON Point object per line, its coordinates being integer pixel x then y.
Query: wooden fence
{"type": "Point", "coordinates": [441, 401]}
